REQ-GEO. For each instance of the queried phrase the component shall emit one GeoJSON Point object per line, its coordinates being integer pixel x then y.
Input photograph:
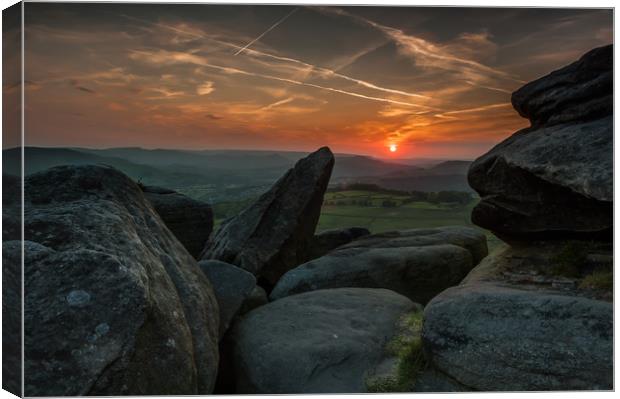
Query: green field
{"type": "Point", "coordinates": [341, 209]}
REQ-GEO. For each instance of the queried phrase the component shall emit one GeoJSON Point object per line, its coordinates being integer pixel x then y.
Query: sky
{"type": "Point", "coordinates": [427, 82]}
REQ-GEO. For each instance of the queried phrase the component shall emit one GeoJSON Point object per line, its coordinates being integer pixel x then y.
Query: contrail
{"type": "Point", "coordinates": [284, 59]}
{"type": "Point", "coordinates": [267, 31]}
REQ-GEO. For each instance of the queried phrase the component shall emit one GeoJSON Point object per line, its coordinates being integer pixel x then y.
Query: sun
{"type": "Point", "coordinates": [393, 147]}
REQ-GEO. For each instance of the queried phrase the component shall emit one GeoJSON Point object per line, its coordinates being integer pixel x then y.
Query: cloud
{"type": "Point", "coordinates": [429, 55]}
{"type": "Point", "coordinates": [175, 57]}
{"type": "Point", "coordinates": [205, 88]}
{"type": "Point", "coordinates": [304, 67]}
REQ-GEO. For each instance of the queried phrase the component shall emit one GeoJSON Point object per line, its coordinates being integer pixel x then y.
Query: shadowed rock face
{"type": "Point", "coordinates": [553, 180]}
{"type": "Point", "coordinates": [232, 286]}
{"type": "Point", "coordinates": [191, 221]}
{"type": "Point", "coordinates": [114, 304]}
{"type": "Point", "coordinates": [273, 234]}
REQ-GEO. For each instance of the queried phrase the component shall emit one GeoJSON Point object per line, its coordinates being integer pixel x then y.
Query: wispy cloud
{"type": "Point", "coordinates": [307, 67]}
{"type": "Point", "coordinates": [170, 57]}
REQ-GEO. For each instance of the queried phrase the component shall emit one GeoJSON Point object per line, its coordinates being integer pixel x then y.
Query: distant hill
{"type": "Point", "coordinates": [450, 167]}
{"type": "Point", "coordinates": [228, 174]}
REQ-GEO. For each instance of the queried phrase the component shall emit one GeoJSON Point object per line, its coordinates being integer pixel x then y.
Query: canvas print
{"type": "Point", "coordinates": [294, 199]}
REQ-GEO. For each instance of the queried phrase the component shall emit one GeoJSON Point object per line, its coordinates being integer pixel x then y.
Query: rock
{"type": "Point", "coordinates": [431, 380]}
{"type": "Point", "coordinates": [273, 234]}
{"type": "Point", "coordinates": [114, 304]}
{"type": "Point", "coordinates": [191, 221]}
{"type": "Point", "coordinates": [554, 179]}
{"type": "Point", "coordinates": [232, 286]}
{"type": "Point", "coordinates": [416, 263]}
{"type": "Point", "coordinates": [493, 337]}
{"type": "Point", "coordinates": [258, 297]}
{"type": "Point", "coordinates": [11, 314]}
{"type": "Point", "coordinates": [329, 240]}
{"type": "Point", "coordinates": [471, 239]}
{"type": "Point", "coordinates": [11, 208]}
{"type": "Point", "coordinates": [580, 91]}
{"type": "Point", "coordinates": [321, 341]}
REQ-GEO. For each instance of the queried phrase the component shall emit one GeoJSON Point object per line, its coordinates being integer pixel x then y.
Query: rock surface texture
{"type": "Point", "coordinates": [232, 286]}
{"type": "Point", "coordinates": [273, 234]}
{"type": "Point", "coordinates": [321, 341]}
{"type": "Point", "coordinates": [191, 221]}
{"type": "Point", "coordinates": [417, 263]}
{"type": "Point", "coordinates": [114, 304]}
{"type": "Point", "coordinates": [554, 179]}
{"type": "Point", "coordinates": [495, 338]}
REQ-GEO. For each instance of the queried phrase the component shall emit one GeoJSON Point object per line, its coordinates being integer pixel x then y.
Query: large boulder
{"type": "Point", "coordinates": [472, 239]}
{"type": "Point", "coordinates": [322, 341]}
{"type": "Point", "coordinates": [416, 263]}
{"type": "Point", "coordinates": [554, 179]}
{"type": "Point", "coordinates": [328, 240]}
{"type": "Point", "coordinates": [496, 338]}
{"type": "Point", "coordinates": [191, 221]}
{"type": "Point", "coordinates": [273, 234]}
{"type": "Point", "coordinates": [527, 318]}
{"type": "Point", "coordinates": [114, 304]}
{"type": "Point", "coordinates": [232, 286]}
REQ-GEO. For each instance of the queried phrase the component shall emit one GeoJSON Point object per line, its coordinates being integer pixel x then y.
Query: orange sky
{"type": "Point", "coordinates": [434, 82]}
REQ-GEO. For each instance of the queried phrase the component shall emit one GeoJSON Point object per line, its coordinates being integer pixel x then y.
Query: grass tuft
{"type": "Point", "coordinates": [407, 348]}
{"type": "Point", "coordinates": [569, 260]}
{"type": "Point", "coordinates": [598, 280]}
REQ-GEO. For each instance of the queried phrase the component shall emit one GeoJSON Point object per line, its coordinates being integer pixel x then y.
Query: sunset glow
{"type": "Point", "coordinates": [437, 80]}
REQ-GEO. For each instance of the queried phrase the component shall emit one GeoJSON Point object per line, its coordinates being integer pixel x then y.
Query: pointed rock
{"type": "Point", "coordinates": [273, 234]}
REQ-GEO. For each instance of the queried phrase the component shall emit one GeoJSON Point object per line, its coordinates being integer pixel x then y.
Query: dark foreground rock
{"type": "Point", "coordinates": [11, 208]}
{"type": "Point", "coordinates": [416, 263]}
{"type": "Point", "coordinates": [323, 341]}
{"type": "Point", "coordinates": [329, 240]}
{"type": "Point", "coordinates": [232, 286]}
{"type": "Point", "coordinates": [114, 304]}
{"type": "Point", "coordinates": [528, 318]}
{"type": "Point", "coordinates": [11, 315]}
{"type": "Point", "coordinates": [258, 297]}
{"type": "Point", "coordinates": [191, 221]}
{"type": "Point", "coordinates": [497, 338]}
{"type": "Point", "coordinates": [553, 180]}
{"type": "Point", "coordinates": [273, 234]}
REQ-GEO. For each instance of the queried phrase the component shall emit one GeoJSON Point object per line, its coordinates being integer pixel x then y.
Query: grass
{"type": "Point", "coordinates": [598, 280]}
{"type": "Point", "coordinates": [569, 259]}
{"type": "Point", "coordinates": [407, 348]}
{"type": "Point", "coordinates": [340, 211]}
{"type": "Point", "coordinates": [379, 219]}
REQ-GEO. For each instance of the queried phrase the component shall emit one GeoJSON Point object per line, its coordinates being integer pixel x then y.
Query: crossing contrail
{"type": "Point", "coordinates": [267, 31]}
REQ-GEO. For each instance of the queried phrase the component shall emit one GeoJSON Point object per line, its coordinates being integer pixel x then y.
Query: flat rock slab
{"type": "Point", "coordinates": [471, 239]}
{"type": "Point", "coordinates": [114, 304]}
{"type": "Point", "coordinates": [416, 263]}
{"type": "Point", "coordinates": [323, 341]}
{"type": "Point", "coordinates": [497, 338]}
{"type": "Point", "coordinates": [419, 273]}
{"type": "Point", "coordinates": [273, 235]}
